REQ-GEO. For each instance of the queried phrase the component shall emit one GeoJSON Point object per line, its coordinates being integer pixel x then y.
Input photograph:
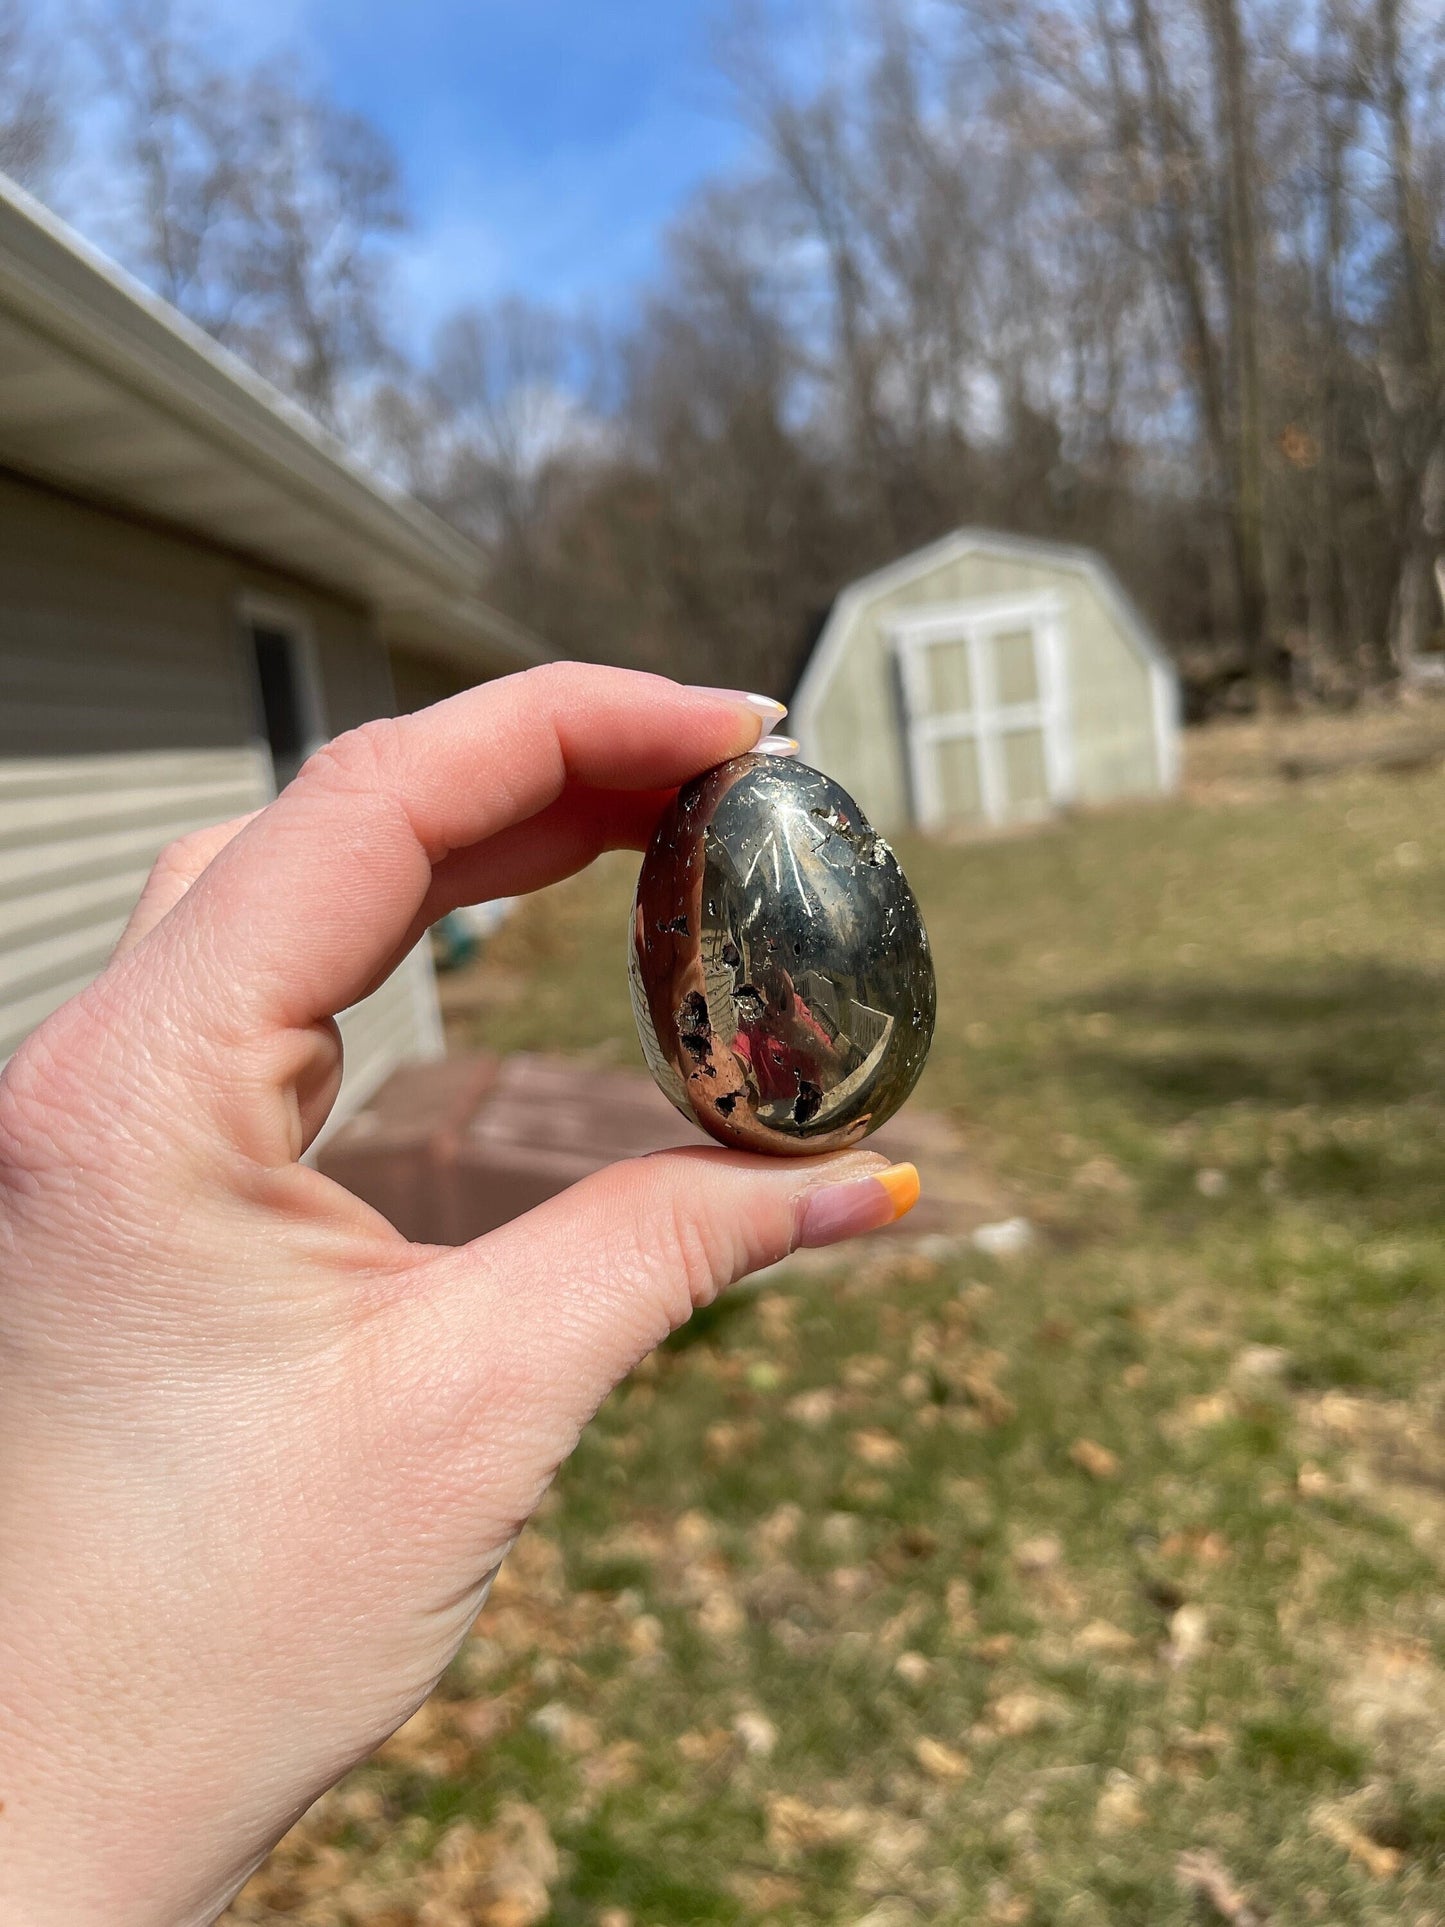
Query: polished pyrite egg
{"type": "Point", "coordinates": [780, 972]}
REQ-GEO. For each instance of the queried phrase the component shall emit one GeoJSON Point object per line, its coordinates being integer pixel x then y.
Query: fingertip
{"type": "Point", "coordinates": [849, 1207]}
{"type": "Point", "coordinates": [904, 1187]}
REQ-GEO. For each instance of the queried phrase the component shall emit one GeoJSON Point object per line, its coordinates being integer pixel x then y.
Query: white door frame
{"type": "Point", "coordinates": [974, 623]}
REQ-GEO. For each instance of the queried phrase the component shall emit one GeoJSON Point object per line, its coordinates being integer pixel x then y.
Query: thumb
{"type": "Point", "coordinates": [545, 1316]}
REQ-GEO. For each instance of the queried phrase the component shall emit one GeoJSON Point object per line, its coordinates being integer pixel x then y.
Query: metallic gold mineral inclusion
{"type": "Point", "coordinates": [780, 972]}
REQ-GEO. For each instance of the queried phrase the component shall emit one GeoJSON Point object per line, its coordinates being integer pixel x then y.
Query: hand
{"type": "Point", "coordinates": [259, 1456]}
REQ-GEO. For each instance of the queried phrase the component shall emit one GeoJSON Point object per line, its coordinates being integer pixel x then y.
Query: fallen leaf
{"type": "Point", "coordinates": [876, 1448]}
{"type": "Point", "coordinates": [1188, 1635]}
{"type": "Point", "coordinates": [1101, 1640]}
{"type": "Point", "coordinates": [841, 1533]}
{"type": "Point", "coordinates": [777, 1532]}
{"type": "Point", "coordinates": [1380, 1862]}
{"type": "Point", "coordinates": [794, 1825]}
{"type": "Point", "coordinates": [728, 1439]}
{"type": "Point", "coordinates": [644, 1636]}
{"type": "Point", "coordinates": [483, 1721]}
{"type": "Point", "coordinates": [1261, 1368]}
{"type": "Point", "coordinates": [977, 1384]}
{"type": "Point", "coordinates": [813, 1409]}
{"type": "Point", "coordinates": [939, 1761]}
{"type": "Point", "coordinates": [1008, 1910]}
{"type": "Point", "coordinates": [894, 1846]}
{"type": "Point", "coordinates": [765, 1893]}
{"type": "Point", "coordinates": [1210, 1548]}
{"type": "Point", "coordinates": [1015, 1716]}
{"type": "Point", "coordinates": [1203, 1876]}
{"type": "Point", "coordinates": [757, 1733]}
{"type": "Point", "coordinates": [1095, 1459]}
{"type": "Point", "coordinates": [1119, 1808]}
{"type": "Point", "coordinates": [1211, 1408]}
{"type": "Point", "coordinates": [570, 1730]}
{"type": "Point", "coordinates": [1006, 1238]}
{"type": "Point", "coordinates": [704, 1747]}
{"type": "Point", "coordinates": [958, 1602]}
{"type": "Point", "coordinates": [866, 1372]}
{"type": "Point", "coordinates": [1039, 1554]}
{"type": "Point", "coordinates": [694, 1532]}
{"type": "Point", "coordinates": [617, 1765]}
{"type": "Point", "coordinates": [720, 1616]}
{"type": "Point", "coordinates": [498, 1878]}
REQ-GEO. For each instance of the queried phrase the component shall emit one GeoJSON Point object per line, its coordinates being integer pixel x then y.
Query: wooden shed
{"type": "Point", "coordinates": [988, 679]}
{"type": "Point", "coordinates": [197, 586]}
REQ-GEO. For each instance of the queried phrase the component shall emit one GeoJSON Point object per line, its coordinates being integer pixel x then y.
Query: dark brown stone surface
{"type": "Point", "coordinates": [448, 1151]}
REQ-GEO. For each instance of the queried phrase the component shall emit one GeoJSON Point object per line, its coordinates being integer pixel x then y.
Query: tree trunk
{"type": "Point", "coordinates": [1236, 138]}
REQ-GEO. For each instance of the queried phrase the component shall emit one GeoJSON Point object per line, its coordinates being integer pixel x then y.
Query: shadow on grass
{"type": "Point", "coordinates": [1342, 1037]}
{"type": "Point", "coordinates": [1357, 1052]}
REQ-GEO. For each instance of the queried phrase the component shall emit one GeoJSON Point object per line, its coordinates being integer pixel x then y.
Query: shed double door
{"type": "Point", "coordinates": [983, 687]}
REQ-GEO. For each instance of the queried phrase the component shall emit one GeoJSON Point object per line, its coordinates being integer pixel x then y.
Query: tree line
{"type": "Point", "coordinates": [1166, 277]}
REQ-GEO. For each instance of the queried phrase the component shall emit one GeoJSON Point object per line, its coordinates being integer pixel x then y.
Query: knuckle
{"type": "Point", "coordinates": [544, 680]}
{"type": "Point", "coordinates": [703, 1258]}
{"type": "Point", "coordinates": [37, 1103]}
{"type": "Point", "coordinates": [361, 760]}
{"type": "Point", "coordinates": [179, 858]}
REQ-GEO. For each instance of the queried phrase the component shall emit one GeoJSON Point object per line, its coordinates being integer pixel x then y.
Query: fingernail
{"type": "Point", "coordinates": [776, 746]}
{"type": "Point", "coordinates": [768, 711]}
{"type": "Point", "coordinates": [834, 1211]}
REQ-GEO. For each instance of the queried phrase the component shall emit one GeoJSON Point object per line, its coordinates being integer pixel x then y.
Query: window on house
{"type": "Point", "coordinates": [289, 712]}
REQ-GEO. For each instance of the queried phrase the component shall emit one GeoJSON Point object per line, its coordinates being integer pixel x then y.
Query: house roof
{"type": "Point", "coordinates": [827, 651]}
{"type": "Point", "coordinates": [107, 392]}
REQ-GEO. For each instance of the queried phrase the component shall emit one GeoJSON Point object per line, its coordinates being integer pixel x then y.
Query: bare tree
{"type": "Point", "coordinates": [1164, 276]}
{"type": "Point", "coordinates": [30, 120]}
{"type": "Point", "coordinates": [261, 210]}
{"type": "Point", "coordinates": [1411, 355]}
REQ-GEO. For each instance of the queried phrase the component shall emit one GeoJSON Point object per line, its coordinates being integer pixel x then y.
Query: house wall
{"type": "Point", "coordinates": [858, 732]}
{"type": "Point", "coordinates": [419, 681]}
{"type": "Point", "coordinates": [127, 718]}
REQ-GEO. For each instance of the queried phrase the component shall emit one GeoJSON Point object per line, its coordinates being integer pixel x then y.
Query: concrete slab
{"type": "Point", "coordinates": [449, 1151]}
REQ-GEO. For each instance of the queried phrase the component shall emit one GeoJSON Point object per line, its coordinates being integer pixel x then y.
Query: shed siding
{"type": "Point", "coordinates": [127, 719]}
{"type": "Point", "coordinates": [859, 726]}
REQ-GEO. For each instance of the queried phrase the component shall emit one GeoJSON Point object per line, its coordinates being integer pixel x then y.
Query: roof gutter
{"type": "Point", "coordinates": [72, 294]}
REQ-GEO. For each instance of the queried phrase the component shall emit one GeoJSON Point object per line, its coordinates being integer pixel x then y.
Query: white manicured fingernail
{"type": "Point", "coordinates": [776, 746]}
{"type": "Point", "coordinates": [766, 708]}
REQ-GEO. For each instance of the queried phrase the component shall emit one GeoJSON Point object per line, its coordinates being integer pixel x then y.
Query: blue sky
{"type": "Point", "coordinates": [546, 143]}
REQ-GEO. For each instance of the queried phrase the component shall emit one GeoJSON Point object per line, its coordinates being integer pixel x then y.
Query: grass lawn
{"type": "Point", "coordinates": [1099, 1585]}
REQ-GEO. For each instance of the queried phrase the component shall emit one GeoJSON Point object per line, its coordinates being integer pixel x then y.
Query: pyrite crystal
{"type": "Point", "coordinates": [779, 967]}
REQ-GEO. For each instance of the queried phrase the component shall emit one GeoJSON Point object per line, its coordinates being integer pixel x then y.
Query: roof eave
{"type": "Point", "coordinates": [72, 295]}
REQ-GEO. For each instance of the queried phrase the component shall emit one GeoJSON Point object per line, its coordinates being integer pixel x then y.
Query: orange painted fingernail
{"type": "Point", "coordinates": [830, 1212]}
{"type": "Point", "coordinates": [902, 1184]}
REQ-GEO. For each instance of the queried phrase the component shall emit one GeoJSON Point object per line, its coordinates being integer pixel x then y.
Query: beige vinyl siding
{"type": "Point", "coordinates": [127, 719]}
{"type": "Point", "coordinates": [399, 1022]}
{"type": "Point", "coordinates": [420, 681]}
{"type": "Point", "coordinates": [78, 836]}
{"type": "Point", "coordinates": [859, 732]}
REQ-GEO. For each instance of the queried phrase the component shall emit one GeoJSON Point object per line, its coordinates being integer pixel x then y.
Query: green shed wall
{"type": "Point", "coordinates": [858, 732]}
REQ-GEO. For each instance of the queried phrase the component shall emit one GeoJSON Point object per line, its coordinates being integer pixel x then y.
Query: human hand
{"type": "Point", "coordinates": [259, 1456]}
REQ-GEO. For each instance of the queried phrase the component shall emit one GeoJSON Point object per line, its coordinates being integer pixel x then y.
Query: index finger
{"type": "Point", "coordinates": [300, 913]}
